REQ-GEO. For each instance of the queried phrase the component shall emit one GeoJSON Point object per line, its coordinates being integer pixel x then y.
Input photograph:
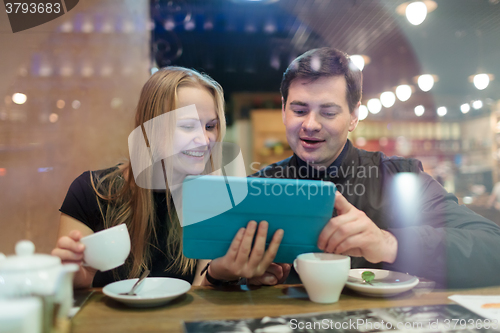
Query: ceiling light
{"type": "Point", "coordinates": [362, 112]}
{"type": "Point", "coordinates": [416, 11]}
{"type": "Point", "coordinates": [388, 99]}
{"type": "Point", "coordinates": [477, 104]}
{"type": "Point", "coordinates": [465, 108]}
{"type": "Point", "coordinates": [441, 111]}
{"type": "Point", "coordinates": [481, 80]}
{"type": "Point", "coordinates": [403, 92]}
{"type": "Point", "coordinates": [374, 105]}
{"type": "Point", "coordinates": [426, 81]}
{"type": "Point", "coordinates": [360, 61]}
{"type": "Point", "coordinates": [19, 98]}
{"type": "Point", "coordinates": [419, 110]}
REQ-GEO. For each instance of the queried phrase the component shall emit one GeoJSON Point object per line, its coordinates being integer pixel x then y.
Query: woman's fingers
{"type": "Point", "coordinates": [67, 255]}
{"type": "Point", "coordinates": [70, 244]}
{"type": "Point", "coordinates": [259, 246]}
{"type": "Point", "coordinates": [246, 243]}
{"type": "Point", "coordinates": [76, 235]}
{"type": "Point", "coordinates": [272, 249]}
{"type": "Point", "coordinates": [232, 252]}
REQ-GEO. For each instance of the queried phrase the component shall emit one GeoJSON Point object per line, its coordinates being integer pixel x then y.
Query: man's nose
{"type": "Point", "coordinates": [311, 124]}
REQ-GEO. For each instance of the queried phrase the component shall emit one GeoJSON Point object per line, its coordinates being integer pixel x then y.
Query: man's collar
{"type": "Point", "coordinates": [330, 172]}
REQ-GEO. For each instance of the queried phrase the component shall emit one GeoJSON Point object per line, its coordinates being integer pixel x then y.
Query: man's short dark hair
{"type": "Point", "coordinates": [325, 62]}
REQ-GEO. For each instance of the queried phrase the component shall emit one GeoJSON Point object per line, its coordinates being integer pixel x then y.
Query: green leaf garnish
{"type": "Point", "coordinates": [367, 276]}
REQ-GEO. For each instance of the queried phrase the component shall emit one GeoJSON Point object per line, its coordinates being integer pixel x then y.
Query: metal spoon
{"type": "Point", "coordinates": [131, 292]}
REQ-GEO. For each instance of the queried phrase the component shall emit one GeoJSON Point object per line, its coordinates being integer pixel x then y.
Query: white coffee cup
{"type": "Point", "coordinates": [107, 249]}
{"type": "Point", "coordinates": [323, 275]}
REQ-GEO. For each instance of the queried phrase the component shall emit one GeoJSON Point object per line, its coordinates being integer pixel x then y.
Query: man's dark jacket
{"type": "Point", "coordinates": [438, 239]}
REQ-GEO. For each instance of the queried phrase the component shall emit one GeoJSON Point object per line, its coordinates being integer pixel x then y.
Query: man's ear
{"type": "Point", "coordinates": [282, 109]}
{"type": "Point", "coordinates": [354, 118]}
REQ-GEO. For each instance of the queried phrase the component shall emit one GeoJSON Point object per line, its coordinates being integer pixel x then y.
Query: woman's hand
{"type": "Point", "coordinates": [241, 260]}
{"type": "Point", "coordinates": [70, 250]}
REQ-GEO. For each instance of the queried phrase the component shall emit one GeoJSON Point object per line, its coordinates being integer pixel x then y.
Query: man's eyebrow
{"type": "Point", "coordinates": [330, 105]}
{"type": "Point", "coordinates": [298, 103]}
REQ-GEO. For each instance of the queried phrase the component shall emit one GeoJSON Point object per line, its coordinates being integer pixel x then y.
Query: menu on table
{"type": "Point", "coordinates": [431, 318]}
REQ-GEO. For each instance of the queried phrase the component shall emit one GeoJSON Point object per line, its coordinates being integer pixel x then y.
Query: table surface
{"type": "Point", "coordinates": [102, 314]}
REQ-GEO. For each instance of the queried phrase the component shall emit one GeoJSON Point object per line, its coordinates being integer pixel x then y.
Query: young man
{"type": "Point", "coordinates": [389, 213]}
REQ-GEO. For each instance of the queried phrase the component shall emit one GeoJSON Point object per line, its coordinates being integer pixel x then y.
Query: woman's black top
{"type": "Point", "coordinates": [81, 203]}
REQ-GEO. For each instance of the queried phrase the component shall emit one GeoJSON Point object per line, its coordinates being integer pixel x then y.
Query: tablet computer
{"type": "Point", "coordinates": [214, 208]}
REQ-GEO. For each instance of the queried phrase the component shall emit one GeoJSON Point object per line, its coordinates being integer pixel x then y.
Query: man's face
{"type": "Point", "coordinates": [317, 119]}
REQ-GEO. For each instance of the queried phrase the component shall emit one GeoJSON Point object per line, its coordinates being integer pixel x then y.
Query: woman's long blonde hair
{"type": "Point", "coordinates": [125, 202]}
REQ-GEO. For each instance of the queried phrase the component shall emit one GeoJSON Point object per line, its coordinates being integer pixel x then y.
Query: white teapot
{"type": "Point", "coordinates": [27, 273]}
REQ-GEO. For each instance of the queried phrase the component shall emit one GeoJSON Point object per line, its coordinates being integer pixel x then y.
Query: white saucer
{"type": "Point", "coordinates": [386, 283]}
{"type": "Point", "coordinates": [151, 292]}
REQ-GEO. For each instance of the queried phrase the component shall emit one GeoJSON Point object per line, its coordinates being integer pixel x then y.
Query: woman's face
{"type": "Point", "coordinates": [196, 131]}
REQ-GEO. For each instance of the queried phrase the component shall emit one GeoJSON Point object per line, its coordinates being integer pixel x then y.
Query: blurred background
{"type": "Point", "coordinates": [68, 88]}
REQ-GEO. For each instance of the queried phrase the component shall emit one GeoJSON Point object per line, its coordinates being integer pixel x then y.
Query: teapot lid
{"type": "Point", "coordinates": [27, 259]}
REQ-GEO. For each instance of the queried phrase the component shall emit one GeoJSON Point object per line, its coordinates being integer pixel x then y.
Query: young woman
{"type": "Point", "coordinates": [102, 199]}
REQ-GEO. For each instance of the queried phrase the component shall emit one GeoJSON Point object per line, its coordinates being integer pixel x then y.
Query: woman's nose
{"type": "Point", "coordinates": [202, 138]}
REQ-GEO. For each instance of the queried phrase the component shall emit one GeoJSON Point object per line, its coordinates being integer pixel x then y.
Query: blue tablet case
{"type": "Point", "coordinates": [216, 207]}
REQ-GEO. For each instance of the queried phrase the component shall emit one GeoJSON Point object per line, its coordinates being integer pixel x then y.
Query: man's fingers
{"type": "Point", "coordinates": [331, 227]}
{"type": "Point", "coordinates": [264, 279]}
{"type": "Point", "coordinates": [351, 246]}
{"type": "Point", "coordinates": [68, 243]}
{"type": "Point", "coordinates": [286, 271]}
{"type": "Point", "coordinates": [342, 206]}
{"type": "Point", "coordinates": [268, 279]}
{"type": "Point", "coordinates": [342, 233]}
{"type": "Point", "coordinates": [276, 270]}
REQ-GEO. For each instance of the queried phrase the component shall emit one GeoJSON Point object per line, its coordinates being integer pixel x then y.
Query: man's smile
{"type": "Point", "coordinates": [311, 142]}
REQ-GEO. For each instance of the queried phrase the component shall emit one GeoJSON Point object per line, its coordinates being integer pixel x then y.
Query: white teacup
{"type": "Point", "coordinates": [323, 275]}
{"type": "Point", "coordinates": [107, 249]}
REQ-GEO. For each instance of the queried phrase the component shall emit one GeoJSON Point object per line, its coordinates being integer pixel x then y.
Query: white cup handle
{"type": "Point", "coordinates": [295, 266]}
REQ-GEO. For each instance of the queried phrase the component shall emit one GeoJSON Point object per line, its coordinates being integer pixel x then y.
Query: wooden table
{"type": "Point", "coordinates": [103, 314]}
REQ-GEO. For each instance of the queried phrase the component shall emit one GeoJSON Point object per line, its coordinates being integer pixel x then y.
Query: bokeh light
{"type": "Point", "coordinates": [481, 81]}
{"type": "Point", "coordinates": [403, 92]}
{"type": "Point", "coordinates": [19, 98]}
{"type": "Point", "coordinates": [465, 108]}
{"type": "Point", "coordinates": [425, 82]}
{"type": "Point", "coordinates": [374, 105]}
{"type": "Point", "coordinates": [362, 112]}
{"type": "Point", "coordinates": [441, 111]}
{"type": "Point", "coordinates": [419, 110]}
{"type": "Point", "coordinates": [388, 99]}
{"type": "Point", "coordinates": [416, 12]}
{"type": "Point", "coordinates": [477, 104]}
{"type": "Point", "coordinates": [60, 104]}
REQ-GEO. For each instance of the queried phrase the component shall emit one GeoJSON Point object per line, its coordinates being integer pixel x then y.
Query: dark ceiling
{"type": "Point", "coordinates": [246, 45]}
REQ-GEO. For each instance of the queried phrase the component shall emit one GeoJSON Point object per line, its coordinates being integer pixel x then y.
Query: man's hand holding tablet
{"type": "Point", "coordinates": [352, 233]}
